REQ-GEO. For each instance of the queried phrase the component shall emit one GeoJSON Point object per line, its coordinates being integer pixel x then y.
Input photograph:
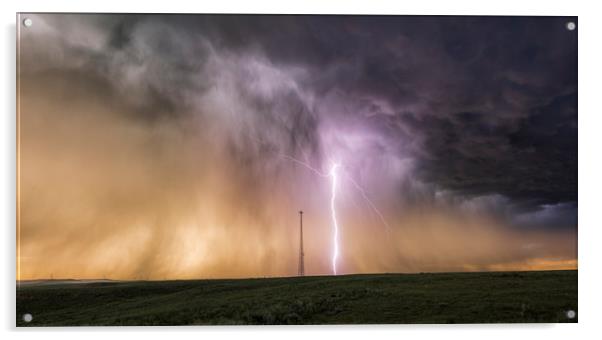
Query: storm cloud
{"type": "Point", "coordinates": [183, 145]}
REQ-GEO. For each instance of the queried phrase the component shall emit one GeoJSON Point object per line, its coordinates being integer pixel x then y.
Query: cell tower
{"type": "Point", "coordinates": [301, 254]}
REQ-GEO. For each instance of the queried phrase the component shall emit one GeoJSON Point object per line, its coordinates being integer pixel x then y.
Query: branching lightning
{"type": "Point", "coordinates": [370, 203]}
{"type": "Point", "coordinates": [316, 171]}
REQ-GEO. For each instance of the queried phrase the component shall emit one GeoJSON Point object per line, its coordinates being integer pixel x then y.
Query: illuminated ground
{"type": "Point", "coordinates": [381, 298]}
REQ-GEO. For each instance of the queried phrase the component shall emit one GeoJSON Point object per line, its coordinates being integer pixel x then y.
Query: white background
{"type": "Point", "coordinates": [590, 140]}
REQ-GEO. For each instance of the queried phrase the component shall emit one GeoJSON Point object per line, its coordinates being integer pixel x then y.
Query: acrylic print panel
{"type": "Point", "coordinates": [280, 169]}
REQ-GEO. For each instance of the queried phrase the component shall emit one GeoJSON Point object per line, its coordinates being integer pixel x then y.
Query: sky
{"type": "Point", "coordinates": [183, 146]}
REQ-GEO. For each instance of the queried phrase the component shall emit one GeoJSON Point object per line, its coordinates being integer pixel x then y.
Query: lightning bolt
{"type": "Point", "coordinates": [332, 174]}
{"type": "Point", "coordinates": [333, 212]}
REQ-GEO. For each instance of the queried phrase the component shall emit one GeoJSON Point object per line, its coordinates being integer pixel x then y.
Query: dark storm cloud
{"type": "Point", "coordinates": [490, 102]}
{"type": "Point", "coordinates": [484, 105]}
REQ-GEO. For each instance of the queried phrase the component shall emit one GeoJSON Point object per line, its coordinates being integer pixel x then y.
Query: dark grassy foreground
{"type": "Point", "coordinates": [382, 298]}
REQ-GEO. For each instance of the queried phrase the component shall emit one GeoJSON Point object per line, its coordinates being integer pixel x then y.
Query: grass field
{"type": "Point", "coordinates": [501, 297]}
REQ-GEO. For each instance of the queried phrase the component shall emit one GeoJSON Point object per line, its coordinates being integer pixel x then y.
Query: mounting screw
{"type": "Point", "coordinates": [570, 26]}
{"type": "Point", "coordinates": [27, 317]}
{"type": "Point", "coordinates": [27, 22]}
{"type": "Point", "coordinates": [571, 314]}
